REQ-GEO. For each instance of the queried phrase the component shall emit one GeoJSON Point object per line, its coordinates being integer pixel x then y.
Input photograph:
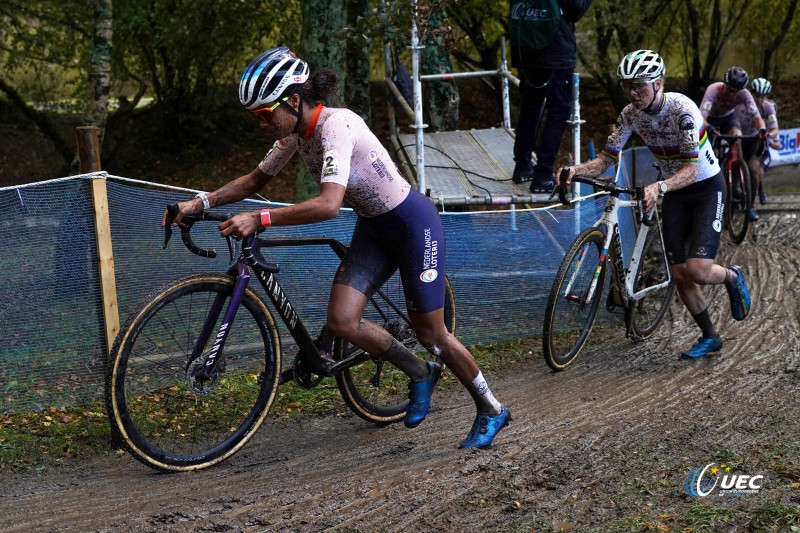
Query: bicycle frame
{"type": "Point", "coordinates": [625, 276]}
{"type": "Point", "coordinates": [248, 263]}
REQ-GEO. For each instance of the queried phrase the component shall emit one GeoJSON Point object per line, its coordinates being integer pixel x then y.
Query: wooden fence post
{"type": "Point", "coordinates": [89, 157]}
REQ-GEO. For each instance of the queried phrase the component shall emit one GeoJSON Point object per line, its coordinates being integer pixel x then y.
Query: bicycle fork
{"type": "Point", "coordinates": [200, 372]}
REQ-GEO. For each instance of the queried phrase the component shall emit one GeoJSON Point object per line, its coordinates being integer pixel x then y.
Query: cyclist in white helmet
{"type": "Point", "coordinates": [762, 90]}
{"type": "Point", "coordinates": [397, 227]}
{"type": "Point", "coordinates": [693, 190]}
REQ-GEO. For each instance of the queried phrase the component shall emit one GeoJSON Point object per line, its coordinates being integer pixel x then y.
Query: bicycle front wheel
{"type": "Point", "coordinates": [739, 202]}
{"type": "Point", "coordinates": [574, 299]}
{"type": "Point", "coordinates": [376, 390]}
{"type": "Point", "coordinates": [653, 269]}
{"type": "Point", "coordinates": [159, 411]}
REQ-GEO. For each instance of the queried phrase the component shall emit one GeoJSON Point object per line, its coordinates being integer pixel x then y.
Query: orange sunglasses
{"type": "Point", "coordinates": [269, 109]}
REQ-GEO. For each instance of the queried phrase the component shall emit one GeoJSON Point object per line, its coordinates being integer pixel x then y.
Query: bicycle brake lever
{"type": "Point", "coordinates": [172, 212]}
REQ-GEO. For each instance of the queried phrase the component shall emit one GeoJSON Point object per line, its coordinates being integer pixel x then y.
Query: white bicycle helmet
{"type": "Point", "coordinates": [267, 77]}
{"type": "Point", "coordinates": [641, 65]}
{"type": "Point", "coordinates": [761, 86]}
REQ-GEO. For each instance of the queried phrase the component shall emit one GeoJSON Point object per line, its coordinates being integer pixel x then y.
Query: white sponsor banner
{"type": "Point", "coordinates": [789, 152]}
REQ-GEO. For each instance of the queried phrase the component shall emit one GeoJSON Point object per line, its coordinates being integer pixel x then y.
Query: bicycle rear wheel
{"type": "Point", "coordinates": [160, 413]}
{"type": "Point", "coordinates": [653, 269]}
{"type": "Point", "coordinates": [376, 390]}
{"type": "Point", "coordinates": [571, 312]}
{"type": "Point", "coordinates": [739, 202]}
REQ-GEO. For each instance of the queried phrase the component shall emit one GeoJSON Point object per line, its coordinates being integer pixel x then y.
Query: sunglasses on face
{"type": "Point", "coordinates": [266, 112]}
{"type": "Point", "coordinates": [635, 85]}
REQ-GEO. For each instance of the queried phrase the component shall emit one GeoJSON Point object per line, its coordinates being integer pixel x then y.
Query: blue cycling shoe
{"type": "Point", "coordinates": [419, 395]}
{"type": "Point", "coordinates": [703, 347]}
{"type": "Point", "coordinates": [739, 295]}
{"type": "Point", "coordinates": [752, 215]}
{"type": "Point", "coordinates": [485, 428]}
{"type": "Point", "coordinates": [762, 197]}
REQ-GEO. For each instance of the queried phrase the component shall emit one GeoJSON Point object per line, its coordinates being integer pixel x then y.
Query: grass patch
{"type": "Point", "coordinates": [47, 438]}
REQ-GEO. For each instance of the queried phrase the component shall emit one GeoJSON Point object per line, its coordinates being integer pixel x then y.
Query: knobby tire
{"type": "Point", "coordinates": [739, 201]}
{"type": "Point", "coordinates": [163, 418]}
{"type": "Point", "coordinates": [375, 390]}
{"type": "Point", "coordinates": [569, 318]}
{"type": "Point", "coordinates": [652, 270]}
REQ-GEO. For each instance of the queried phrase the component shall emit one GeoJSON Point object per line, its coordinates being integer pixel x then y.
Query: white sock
{"type": "Point", "coordinates": [482, 390]}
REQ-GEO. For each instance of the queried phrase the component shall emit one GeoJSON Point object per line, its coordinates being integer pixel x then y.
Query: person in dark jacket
{"type": "Point", "coordinates": [545, 82]}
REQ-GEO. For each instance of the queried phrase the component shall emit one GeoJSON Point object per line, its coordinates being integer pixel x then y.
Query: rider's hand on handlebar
{"type": "Point", "coordinates": [241, 225]}
{"type": "Point", "coordinates": [571, 172]}
{"type": "Point", "coordinates": [189, 207]}
{"type": "Point", "coordinates": [650, 196]}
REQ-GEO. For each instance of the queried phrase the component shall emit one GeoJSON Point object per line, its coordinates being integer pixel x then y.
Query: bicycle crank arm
{"type": "Point", "coordinates": [347, 362]}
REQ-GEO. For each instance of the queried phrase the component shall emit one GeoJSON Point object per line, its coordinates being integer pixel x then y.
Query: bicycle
{"type": "Point", "coordinates": [187, 386]}
{"type": "Point", "coordinates": [739, 200]}
{"type": "Point", "coordinates": [643, 288]}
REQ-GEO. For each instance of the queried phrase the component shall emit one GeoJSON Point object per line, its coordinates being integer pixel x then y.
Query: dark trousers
{"type": "Point", "coordinates": [542, 89]}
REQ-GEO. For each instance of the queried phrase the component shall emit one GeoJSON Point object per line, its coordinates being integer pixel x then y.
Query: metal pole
{"type": "Point", "coordinates": [417, 85]}
{"type": "Point", "coordinates": [576, 137]}
{"type": "Point", "coordinates": [506, 98]}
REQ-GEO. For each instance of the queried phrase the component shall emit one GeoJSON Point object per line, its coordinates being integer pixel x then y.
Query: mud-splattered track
{"type": "Point", "coordinates": [611, 435]}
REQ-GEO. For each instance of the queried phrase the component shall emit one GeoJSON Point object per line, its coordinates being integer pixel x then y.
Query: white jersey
{"type": "Point", "coordinates": [675, 134]}
{"type": "Point", "coordinates": [342, 149]}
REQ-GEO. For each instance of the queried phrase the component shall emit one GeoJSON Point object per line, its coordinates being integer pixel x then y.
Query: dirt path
{"type": "Point", "coordinates": [599, 446]}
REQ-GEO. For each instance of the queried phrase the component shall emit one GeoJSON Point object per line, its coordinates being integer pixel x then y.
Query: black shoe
{"type": "Point", "coordinates": [522, 176]}
{"type": "Point", "coordinates": [542, 185]}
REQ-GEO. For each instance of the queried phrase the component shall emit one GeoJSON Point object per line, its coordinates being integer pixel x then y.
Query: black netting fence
{"type": "Point", "coordinates": [501, 265]}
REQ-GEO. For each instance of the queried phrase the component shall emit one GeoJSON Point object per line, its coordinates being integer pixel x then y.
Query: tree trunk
{"type": "Point", "coordinates": [776, 42]}
{"type": "Point", "coordinates": [441, 96]}
{"type": "Point", "coordinates": [321, 48]}
{"type": "Point", "coordinates": [356, 93]}
{"type": "Point", "coordinates": [100, 67]}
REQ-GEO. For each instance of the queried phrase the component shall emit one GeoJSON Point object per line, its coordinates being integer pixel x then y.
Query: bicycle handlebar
{"type": "Point", "coordinates": [608, 186]}
{"type": "Point", "coordinates": [761, 136]}
{"type": "Point", "coordinates": [186, 225]}
{"type": "Point", "coordinates": [251, 254]}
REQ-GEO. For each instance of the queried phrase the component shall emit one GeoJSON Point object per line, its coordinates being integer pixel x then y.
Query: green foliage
{"type": "Point", "coordinates": [190, 52]}
{"type": "Point", "coordinates": [45, 45]}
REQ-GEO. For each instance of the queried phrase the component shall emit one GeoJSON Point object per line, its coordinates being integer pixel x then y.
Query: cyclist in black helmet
{"type": "Point", "coordinates": [397, 227]}
{"type": "Point", "coordinates": [719, 111]}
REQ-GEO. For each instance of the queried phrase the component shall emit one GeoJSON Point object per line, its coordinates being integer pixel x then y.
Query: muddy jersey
{"type": "Point", "coordinates": [343, 150]}
{"type": "Point", "coordinates": [718, 102]}
{"type": "Point", "coordinates": [675, 135]}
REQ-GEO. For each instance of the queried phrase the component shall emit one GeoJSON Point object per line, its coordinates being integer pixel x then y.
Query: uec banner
{"type": "Point", "coordinates": [789, 151]}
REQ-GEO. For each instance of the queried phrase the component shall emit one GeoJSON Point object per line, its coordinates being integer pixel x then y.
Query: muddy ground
{"type": "Point", "coordinates": [605, 445]}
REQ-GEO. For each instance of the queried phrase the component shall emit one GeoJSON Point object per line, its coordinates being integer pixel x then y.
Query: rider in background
{"type": "Point", "coordinates": [397, 227]}
{"type": "Point", "coordinates": [693, 188]}
{"type": "Point", "coordinates": [762, 89]}
{"type": "Point", "coordinates": [719, 111]}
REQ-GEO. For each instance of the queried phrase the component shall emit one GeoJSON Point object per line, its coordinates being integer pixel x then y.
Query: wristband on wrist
{"type": "Point", "coordinates": [204, 198]}
{"type": "Point", "coordinates": [266, 220]}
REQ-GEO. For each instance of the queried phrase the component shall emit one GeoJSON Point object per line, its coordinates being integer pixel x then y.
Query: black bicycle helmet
{"type": "Point", "coordinates": [736, 79]}
{"type": "Point", "coordinates": [267, 77]}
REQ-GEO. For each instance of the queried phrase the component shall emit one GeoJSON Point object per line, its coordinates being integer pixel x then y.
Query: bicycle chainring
{"type": "Point", "coordinates": [203, 387]}
{"type": "Point", "coordinates": [403, 332]}
{"type": "Point", "coordinates": [303, 376]}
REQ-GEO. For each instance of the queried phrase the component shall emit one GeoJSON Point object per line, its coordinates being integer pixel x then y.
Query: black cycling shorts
{"type": "Point", "coordinates": [693, 220]}
{"type": "Point", "coordinates": [409, 237]}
